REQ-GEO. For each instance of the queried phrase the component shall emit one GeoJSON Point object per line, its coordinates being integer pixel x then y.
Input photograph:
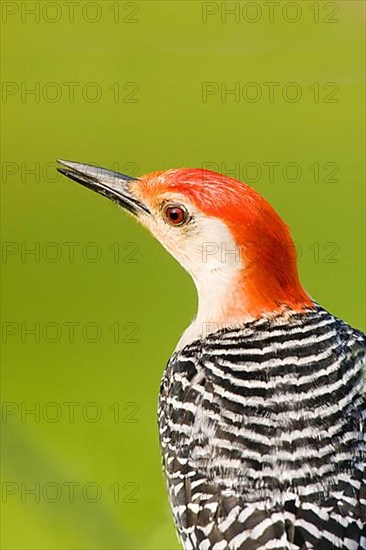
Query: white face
{"type": "Point", "coordinates": [206, 249]}
{"type": "Point", "coordinates": [201, 244]}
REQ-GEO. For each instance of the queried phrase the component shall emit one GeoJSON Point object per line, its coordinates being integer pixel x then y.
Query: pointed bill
{"type": "Point", "coordinates": [113, 185]}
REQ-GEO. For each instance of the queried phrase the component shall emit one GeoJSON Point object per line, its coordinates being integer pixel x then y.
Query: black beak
{"type": "Point", "coordinates": [113, 185]}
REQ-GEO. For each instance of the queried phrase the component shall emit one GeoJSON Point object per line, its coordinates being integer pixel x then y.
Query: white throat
{"type": "Point", "coordinates": [208, 251]}
{"type": "Point", "coordinates": [215, 273]}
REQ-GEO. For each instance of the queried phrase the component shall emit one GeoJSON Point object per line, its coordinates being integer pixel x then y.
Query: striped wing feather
{"type": "Point", "coordinates": [262, 430]}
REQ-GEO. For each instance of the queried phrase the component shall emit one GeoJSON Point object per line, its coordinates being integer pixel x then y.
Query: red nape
{"type": "Point", "coordinates": [269, 280]}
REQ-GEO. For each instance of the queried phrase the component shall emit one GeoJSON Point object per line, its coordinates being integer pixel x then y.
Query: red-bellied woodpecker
{"type": "Point", "coordinates": [262, 408]}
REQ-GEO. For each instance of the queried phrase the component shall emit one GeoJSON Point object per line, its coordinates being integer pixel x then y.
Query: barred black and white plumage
{"type": "Point", "coordinates": [262, 430]}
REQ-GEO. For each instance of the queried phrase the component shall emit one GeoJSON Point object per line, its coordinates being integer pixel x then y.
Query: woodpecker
{"type": "Point", "coordinates": [262, 405]}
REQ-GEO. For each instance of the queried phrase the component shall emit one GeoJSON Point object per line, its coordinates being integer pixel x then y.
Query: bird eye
{"type": "Point", "coordinates": [175, 214]}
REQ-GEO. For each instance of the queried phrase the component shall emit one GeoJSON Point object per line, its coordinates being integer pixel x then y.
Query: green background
{"type": "Point", "coordinates": [167, 52]}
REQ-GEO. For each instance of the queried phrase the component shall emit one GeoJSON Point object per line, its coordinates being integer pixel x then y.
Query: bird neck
{"type": "Point", "coordinates": [232, 297]}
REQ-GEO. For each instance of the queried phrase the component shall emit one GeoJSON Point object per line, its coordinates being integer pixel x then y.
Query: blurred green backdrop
{"type": "Point", "coordinates": [142, 86]}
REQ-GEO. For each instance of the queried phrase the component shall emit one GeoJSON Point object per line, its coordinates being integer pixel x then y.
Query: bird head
{"type": "Point", "coordinates": [237, 249]}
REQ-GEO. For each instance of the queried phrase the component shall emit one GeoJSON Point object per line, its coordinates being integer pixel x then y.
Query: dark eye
{"type": "Point", "coordinates": [175, 214]}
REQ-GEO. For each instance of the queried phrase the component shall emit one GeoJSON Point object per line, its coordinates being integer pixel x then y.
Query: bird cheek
{"type": "Point", "coordinates": [160, 231]}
